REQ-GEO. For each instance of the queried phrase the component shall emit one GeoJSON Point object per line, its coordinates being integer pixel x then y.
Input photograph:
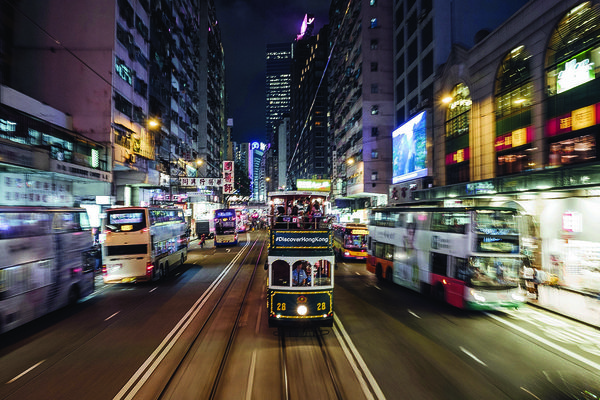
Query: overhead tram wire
{"type": "Point", "coordinates": [291, 161]}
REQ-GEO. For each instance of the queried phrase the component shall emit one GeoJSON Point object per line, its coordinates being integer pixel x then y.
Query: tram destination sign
{"type": "Point", "coordinates": [300, 239]}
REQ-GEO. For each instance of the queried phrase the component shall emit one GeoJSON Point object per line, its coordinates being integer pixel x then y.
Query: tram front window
{"type": "Point", "coordinates": [322, 273]}
{"type": "Point", "coordinates": [280, 271]}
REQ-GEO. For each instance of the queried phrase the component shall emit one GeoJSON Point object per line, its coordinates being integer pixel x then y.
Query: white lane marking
{"type": "Point", "coordinates": [413, 314]}
{"type": "Point", "coordinates": [357, 273]}
{"type": "Point", "coordinates": [228, 250]}
{"type": "Point", "coordinates": [376, 287]}
{"type": "Point", "coordinates": [352, 354]}
{"type": "Point", "coordinates": [546, 342]}
{"type": "Point", "coordinates": [152, 362]}
{"type": "Point", "coordinates": [107, 318]}
{"type": "Point", "coordinates": [529, 392]}
{"type": "Point", "coordinates": [24, 372]}
{"type": "Point", "coordinates": [153, 289]}
{"type": "Point", "coordinates": [251, 376]}
{"type": "Point", "coordinates": [467, 352]}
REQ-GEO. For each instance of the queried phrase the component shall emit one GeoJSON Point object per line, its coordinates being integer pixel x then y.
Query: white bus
{"type": "Point", "coordinates": [143, 243]}
{"type": "Point", "coordinates": [468, 257]}
{"type": "Point", "coordinates": [46, 261]}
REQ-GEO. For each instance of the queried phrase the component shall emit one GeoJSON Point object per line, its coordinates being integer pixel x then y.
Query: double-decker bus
{"type": "Point", "coordinates": [226, 227]}
{"type": "Point", "coordinates": [46, 261]}
{"type": "Point", "coordinates": [143, 243]}
{"type": "Point", "coordinates": [350, 241]}
{"type": "Point", "coordinates": [468, 257]}
{"type": "Point", "coordinates": [300, 264]}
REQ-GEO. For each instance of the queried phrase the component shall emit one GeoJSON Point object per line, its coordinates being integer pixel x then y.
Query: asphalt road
{"type": "Point", "coordinates": [399, 345]}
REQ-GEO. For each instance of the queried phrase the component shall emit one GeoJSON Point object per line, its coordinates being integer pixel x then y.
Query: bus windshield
{"type": "Point", "coordinates": [496, 222]}
{"type": "Point", "coordinates": [125, 221]}
{"type": "Point", "coordinates": [494, 272]}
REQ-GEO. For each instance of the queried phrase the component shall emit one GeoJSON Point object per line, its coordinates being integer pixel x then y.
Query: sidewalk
{"type": "Point", "coordinates": [579, 306]}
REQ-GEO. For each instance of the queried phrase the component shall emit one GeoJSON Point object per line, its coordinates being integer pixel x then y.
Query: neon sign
{"type": "Point", "coordinates": [575, 73]}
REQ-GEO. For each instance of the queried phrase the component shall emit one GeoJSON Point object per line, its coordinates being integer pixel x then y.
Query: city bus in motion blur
{"type": "Point", "coordinates": [468, 257]}
{"type": "Point", "coordinates": [143, 243]}
{"type": "Point", "coordinates": [226, 227]}
{"type": "Point", "coordinates": [47, 261]}
{"type": "Point", "coordinates": [350, 241]}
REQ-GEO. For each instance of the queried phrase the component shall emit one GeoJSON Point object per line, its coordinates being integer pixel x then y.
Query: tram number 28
{"type": "Point", "coordinates": [321, 306]}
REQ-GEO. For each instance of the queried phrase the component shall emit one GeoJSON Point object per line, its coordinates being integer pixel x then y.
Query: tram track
{"type": "Point", "coordinates": [296, 343]}
{"type": "Point", "coordinates": [238, 283]}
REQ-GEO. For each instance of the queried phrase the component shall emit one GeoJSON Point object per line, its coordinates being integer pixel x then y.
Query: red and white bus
{"type": "Point", "coordinates": [143, 243]}
{"type": "Point", "coordinates": [468, 257]}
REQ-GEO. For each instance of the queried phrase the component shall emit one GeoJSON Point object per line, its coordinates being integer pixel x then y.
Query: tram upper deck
{"type": "Point", "coordinates": [298, 210]}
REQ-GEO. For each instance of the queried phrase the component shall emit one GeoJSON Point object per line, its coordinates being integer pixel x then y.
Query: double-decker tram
{"type": "Point", "coordinates": [350, 241]}
{"type": "Point", "coordinates": [47, 261]}
{"type": "Point", "coordinates": [300, 263]}
{"type": "Point", "coordinates": [226, 232]}
{"type": "Point", "coordinates": [143, 243]}
{"type": "Point", "coordinates": [468, 257]}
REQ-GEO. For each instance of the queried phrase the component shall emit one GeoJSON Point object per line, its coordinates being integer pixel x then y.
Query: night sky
{"type": "Point", "coordinates": [246, 28]}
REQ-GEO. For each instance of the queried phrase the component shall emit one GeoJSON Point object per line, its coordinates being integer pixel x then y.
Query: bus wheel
{"type": "Point", "coordinates": [438, 293]}
{"type": "Point", "coordinates": [379, 272]}
{"type": "Point", "coordinates": [73, 295]}
{"type": "Point", "coordinates": [165, 271]}
{"type": "Point", "coordinates": [156, 273]}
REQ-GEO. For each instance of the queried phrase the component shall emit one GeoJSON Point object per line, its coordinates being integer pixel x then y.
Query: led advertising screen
{"type": "Point", "coordinates": [409, 149]}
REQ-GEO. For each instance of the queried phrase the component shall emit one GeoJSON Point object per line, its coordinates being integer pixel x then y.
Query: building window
{"type": "Point", "coordinates": [374, 66]}
{"type": "Point", "coordinates": [373, 23]}
{"type": "Point", "coordinates": [372, 2]}
{"type": "Point", "coordinates": [123, 71]}
{"type": "Point", "coordinates": [457, 121]}
{"type": "Point", "coordinates": [374, 131]}
{"type": "Point", "coordinates": [374, 88]}
{"type": "Point", "coordinates": [374, 109]}
{"type": "Point", "coordinates": [374, 44]}
{"type": "Point", "coordinates": [374, 154]}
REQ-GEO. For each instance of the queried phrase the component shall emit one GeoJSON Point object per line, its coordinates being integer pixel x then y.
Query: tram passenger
{"type": "Point", "coordinates": [299, 275]}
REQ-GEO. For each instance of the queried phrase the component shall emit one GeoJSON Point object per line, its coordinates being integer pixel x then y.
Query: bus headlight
{"type": "Point", "coordinates": [517, 296]}
{"type": "Point", "coordinates": [477, 296]}
{"type": "Point", "coordinates": [302, 309]}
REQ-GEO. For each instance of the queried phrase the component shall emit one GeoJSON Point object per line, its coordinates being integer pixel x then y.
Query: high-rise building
{"type": "Point", "coordinates": [277, 93]}
{"type": "Point", "coordinates": [361, 101]}
{"type": "Point", "coordinates": [424, 34]}
{"type": "Point", "coordinates": [145, 79]}
{"type": "Point", "coordinates": [309, 142]}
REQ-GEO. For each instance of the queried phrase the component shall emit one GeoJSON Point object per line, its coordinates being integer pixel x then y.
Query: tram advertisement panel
{"type": "Point", "coordinates": [301, 239]}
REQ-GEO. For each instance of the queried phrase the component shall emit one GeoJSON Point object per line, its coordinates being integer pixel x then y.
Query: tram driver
{"type": "Point", "coordinates": [299, 275]}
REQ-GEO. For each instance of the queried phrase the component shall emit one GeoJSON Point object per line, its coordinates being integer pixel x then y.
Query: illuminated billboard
{"type": "Point", "coordinates": [318, 185]}
{"type": "Point", "coordinates": [409, 149]}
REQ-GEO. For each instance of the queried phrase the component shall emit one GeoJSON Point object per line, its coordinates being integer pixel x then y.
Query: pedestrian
{"type": "Point", "coordinates": [202, 240]}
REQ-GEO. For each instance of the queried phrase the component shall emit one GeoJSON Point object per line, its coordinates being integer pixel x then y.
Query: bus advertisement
{"type": "Point", "coordinates": [143, 243]}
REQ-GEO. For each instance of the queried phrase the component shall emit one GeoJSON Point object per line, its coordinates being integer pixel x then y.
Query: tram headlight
{"type": "Point", "coordinates": [302, 309]}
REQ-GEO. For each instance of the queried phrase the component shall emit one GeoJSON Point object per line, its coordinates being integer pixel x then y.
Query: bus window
{"type": "Point", "coordinates": [125, 221]}
{"type": "Point", "coordinates": [439, 263]}
{"type": "Point", "coordinates": [280, 274]}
